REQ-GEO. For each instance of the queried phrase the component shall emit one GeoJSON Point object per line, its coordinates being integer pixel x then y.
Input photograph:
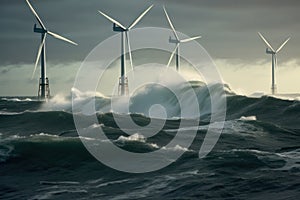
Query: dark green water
{"type": "Point", "coordinates": [257, 157]}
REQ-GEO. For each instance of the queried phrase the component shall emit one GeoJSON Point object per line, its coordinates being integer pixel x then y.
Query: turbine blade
{"type": "Point", "coordinates": [112, 20]}
{"type": "Point", "coordinates": [61, 38]}
{"type": "Point", "coordinates": [282, 45]}
{"type": "Point", "coordinates": [129, 49]}
{"type": "Point", "coordinates": [190, 39]}
{"type": "Point", "coordinates": [266, 41]}
{"type": "Point", "coordinates": [140, 17]}
{"type": "Point", "coordinates": [172, 55]}
{"type": "Point", "coordinates": [170, 23]}
{"type": "Point", "coordinates": [38, 55]}
{"type": "Point", "coordinates": [36, 15]}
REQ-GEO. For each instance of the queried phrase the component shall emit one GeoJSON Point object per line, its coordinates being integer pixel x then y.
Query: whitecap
{"type": "Point", "coordinates": [135, 137]}
{"type": "Point", "coordinates": [10, 113]}
{"type": "Point", "coordinates": [16, 99]}
{"type": "Point", "coordinates": [247, 118]}
{"type": "Point", "coordinates": [177, 148]}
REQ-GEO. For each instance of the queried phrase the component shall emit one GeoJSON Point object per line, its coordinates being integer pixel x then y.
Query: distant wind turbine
{"type": "Point", "coordinates": [118, 27]}
{"type": "Point", "coordinates": [177, 41]}
{"type": "Point", "coordinates": [270, 50]}
{"type": "Point", "coordinates": [44, 91]}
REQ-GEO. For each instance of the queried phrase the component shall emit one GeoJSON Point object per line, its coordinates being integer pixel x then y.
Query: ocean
{"type": "Point", "coordinates": [256, 157]}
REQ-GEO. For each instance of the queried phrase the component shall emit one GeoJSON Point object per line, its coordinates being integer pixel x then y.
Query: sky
{"type": "Point", "coordinates": [228, 29]}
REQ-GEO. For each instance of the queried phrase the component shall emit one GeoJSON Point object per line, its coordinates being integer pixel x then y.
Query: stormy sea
{"type": "Point", "coordinates": [257, 155]}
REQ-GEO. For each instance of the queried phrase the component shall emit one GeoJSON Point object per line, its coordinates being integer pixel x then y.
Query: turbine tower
{"type": "Point", "coordinates": [177, 41]}
{"type": "Point", "coordinates": [44, 91]}
{"type": "Point", "coordinates": [270, 50]}
{"type": "Point", "coordinates": [118, 27]}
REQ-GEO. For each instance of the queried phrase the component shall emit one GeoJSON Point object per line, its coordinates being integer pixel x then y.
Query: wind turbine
{"type": "Point", "coordinates": [270, 50]}
{"type": "Point", "coordinates": [118, 27]}
{"type": "Point", "coordinates": [177, 41]}
{"type": "Point", "coordinates": [44, 91]}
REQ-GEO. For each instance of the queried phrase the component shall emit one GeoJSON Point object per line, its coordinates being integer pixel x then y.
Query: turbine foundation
{"type": "Point", "coordinates": [44, 90]}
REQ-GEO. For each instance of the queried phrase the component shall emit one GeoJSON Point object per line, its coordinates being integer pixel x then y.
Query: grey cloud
{"type": "Point", "coordinates": [228, 27]}
{"type": "Point", "coordinates": [4, 71]}
{"type": "Point", "coordinates": [234, 3]}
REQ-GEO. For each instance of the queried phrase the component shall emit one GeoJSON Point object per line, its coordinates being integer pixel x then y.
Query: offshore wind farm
{"type": "Point", "coordinates": [185, 126]}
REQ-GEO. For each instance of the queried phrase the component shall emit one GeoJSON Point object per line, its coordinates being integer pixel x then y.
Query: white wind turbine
{"type": "Point", "coordinates": [44, 91]}
{"type": "Point", "coordinates": [270, 50]}
{"type": "Point", "coordinates": [177, 41]}
{"type": "Point", "coordinates": [118, 27]}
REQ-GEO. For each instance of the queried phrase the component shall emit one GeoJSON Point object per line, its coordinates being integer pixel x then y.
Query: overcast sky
{"type": "Point", "coordinates": [228, 29]}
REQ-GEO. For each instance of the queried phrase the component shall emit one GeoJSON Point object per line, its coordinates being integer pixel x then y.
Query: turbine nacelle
{"type": "Point", "coordinates": [171, 40]}
{"type": "Point", "coordinates": [38, 30]}
{"type": "Point", "coordinates": [117, 28]}
{"type": "Point", "coordinates": [269, 51]}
